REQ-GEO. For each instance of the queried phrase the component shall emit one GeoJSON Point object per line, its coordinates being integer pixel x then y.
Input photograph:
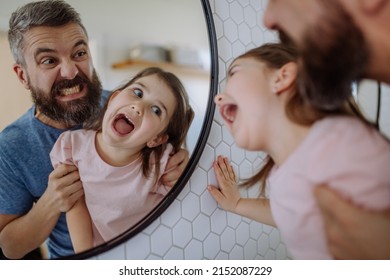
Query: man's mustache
{"type": "Point", "coordinates": [78, 80]}
{"type": "Point", "coordinates": [286, 40]}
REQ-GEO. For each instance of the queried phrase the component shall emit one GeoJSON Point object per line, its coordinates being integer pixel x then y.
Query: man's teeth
{"type": "Point", "coordinates": [69, 91]}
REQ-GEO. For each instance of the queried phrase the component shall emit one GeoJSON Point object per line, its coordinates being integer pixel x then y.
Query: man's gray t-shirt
{"type": "Point", "coordinates": [25, 166]}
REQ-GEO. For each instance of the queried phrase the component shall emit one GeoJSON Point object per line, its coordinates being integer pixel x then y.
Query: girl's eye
{"type": "Point", "coordinates": [138, 92]}
{"type": "Point", "coordinates": [156, 110]}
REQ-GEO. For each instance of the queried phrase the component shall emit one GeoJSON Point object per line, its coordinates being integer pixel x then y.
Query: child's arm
{"type": "Point", "coordinates": [228, 196]}
{"type": "Point", "coordinates": [80, 226]}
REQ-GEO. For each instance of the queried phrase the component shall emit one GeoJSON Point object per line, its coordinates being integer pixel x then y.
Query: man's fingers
{"type": "Point", "coordinates": [63, 169]}
{"type": "Point", "coordinates": [180, 159]}
{"type": "Point", "coordinates": [169, 179]}
{"type": "Point", "coordinates": [330, 203]}
{"type": "Point", "coordinates": [73, 193]}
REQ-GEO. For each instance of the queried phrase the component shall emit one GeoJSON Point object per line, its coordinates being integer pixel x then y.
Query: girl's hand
{"type": "Point", "coordinates": [227, 195]}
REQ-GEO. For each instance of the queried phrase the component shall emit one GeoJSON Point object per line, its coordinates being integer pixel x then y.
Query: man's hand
{"type": "Point", "coordinates": [176, 165]}
{"type": "Point", "coordinates": [64, 187]}
{"type": "Point", "coordinates": [22, 234]}
{"type": "Point", "coordinates": [353, 233]}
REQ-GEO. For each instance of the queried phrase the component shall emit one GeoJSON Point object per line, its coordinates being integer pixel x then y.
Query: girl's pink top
{"type": "Point", "coordinates": [116, 197]}
{"type": "Point", "coordinates": [340, 152]}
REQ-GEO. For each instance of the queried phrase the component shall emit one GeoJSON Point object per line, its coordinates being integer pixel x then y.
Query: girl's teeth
{"type": "Point", "coordinates": [227, 115]}
{"type": "Point", "coordinates": [69, 91]}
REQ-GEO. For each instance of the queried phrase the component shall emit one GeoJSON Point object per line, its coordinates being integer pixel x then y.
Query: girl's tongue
{"type": "Point", "coordinates": [123, 125]}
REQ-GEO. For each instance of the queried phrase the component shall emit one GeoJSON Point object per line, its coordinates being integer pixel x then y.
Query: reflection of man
{"type": "Point", "coordinates": [340, 41]}
{"type": "Point", "coordinates": [50, 47]}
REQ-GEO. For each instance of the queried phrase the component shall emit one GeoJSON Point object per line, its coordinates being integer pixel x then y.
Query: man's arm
{"type": "Point", "coordinates": [352, 232]}
{"type": "Point", "coordinates": [20, 234]}
{"type": "Point", "coordinates": [176, 165]}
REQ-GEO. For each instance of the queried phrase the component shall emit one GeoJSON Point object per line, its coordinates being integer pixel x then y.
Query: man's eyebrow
{"type": "Point", "coordinates": [48, 50]}
{"type": "Point", "coordinates": [43, 50]}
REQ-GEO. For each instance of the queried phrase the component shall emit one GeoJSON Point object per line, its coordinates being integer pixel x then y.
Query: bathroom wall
{"type": "Point", "coordinates": [194, 227]}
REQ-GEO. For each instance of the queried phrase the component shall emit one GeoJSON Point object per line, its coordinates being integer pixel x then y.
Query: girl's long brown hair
{"type": "Point", "coordinates": [178, 125]}
{"type": "Point", "coordinates": [298, 110]}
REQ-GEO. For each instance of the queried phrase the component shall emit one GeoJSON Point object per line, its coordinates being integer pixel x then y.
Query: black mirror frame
{"type": "Point", "coordinates": [193, 161]}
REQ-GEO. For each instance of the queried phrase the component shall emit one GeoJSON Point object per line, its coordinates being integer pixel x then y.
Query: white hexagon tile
{"type": "Point", "coordinates": [194, 227]}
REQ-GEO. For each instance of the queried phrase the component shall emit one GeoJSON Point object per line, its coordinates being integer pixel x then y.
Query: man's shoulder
{"type": "Point", "coordinates": [18, 131]}
{"type": "Point", "coordinates": [105, 96]}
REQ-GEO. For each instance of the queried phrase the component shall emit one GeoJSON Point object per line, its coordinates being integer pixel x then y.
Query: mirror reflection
{"type": "Point", "coordinates": [144, 34]}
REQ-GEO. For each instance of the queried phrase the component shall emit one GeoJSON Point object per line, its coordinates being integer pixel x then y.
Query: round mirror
{"type": "Point", "coordinates": [125, 38]}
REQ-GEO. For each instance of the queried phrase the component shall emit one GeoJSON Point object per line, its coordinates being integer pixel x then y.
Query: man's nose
{"type": "Point", "coordinates": [268, 18]}
{"type": "Point", "coordinates": [69, 70]}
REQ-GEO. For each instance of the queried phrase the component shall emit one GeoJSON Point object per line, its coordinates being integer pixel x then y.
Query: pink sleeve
{"type": "Point", "coordinates": [61, 152]}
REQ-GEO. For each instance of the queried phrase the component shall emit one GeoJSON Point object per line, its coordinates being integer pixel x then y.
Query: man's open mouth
{"type": "Point", "coordinates": [70, 91]}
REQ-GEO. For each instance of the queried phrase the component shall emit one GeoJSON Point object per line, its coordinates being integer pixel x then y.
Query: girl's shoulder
{"type": "Point", "coordinates": [78, 136]}
{"type": "Point", "coordinates": [346, 137]}
{"type": "Point", "coordinates": [346, 128]}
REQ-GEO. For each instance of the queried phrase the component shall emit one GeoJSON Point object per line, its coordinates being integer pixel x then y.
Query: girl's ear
{"type": "Point", "coordinates": [157, 141]}
{"type": "Point", "coordinates": [285, 77]}
{"type": "Point", "coordinates": [22, 75]}
{"type": "Point", "coordinates": [115, 93]}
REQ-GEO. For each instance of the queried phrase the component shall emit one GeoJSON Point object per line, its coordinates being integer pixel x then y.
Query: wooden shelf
{"type": "Point", "coordinates": [168, 66]}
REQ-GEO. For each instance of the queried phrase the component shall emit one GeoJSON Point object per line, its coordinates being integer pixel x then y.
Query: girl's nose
{"type": "Point", "coordinates": [69, 70]}
{"type": "Point", "coordinates": [137, 108]}
{"type": "Point", "coordinates": [218, 99]}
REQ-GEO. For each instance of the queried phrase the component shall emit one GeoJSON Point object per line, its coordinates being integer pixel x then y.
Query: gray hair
{"type": "Point", "coordinates": [53, 13]}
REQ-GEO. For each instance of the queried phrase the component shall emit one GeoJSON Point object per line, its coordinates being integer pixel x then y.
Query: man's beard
{"type": "Point", "coordinates": [73, 112]}
{"type": "Point", "coordinates": [334, 54]}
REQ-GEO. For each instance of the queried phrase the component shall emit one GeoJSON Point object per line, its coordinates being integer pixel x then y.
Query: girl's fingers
{"type": "Point", "coordinates": [216, 194]}
{"type": "Point", "coordinates": [226, 169]}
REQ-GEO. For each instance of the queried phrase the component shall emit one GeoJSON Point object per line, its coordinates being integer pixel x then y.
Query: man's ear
{"type": "Point", "coordinates": [285, 77]}
{"type": "Point", "coordinates": [21, 73]}
{"type": "Point", "coordinates": [157, 141]}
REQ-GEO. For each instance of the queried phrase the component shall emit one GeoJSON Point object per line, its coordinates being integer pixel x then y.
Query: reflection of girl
{"type": "Point", "coordinates": [264, 111]}
{"type": "Point", "coordinates": [123, 154]}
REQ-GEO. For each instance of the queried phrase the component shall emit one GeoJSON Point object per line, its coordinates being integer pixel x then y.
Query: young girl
{"type": "Point", "coordinates": [262, 108]}
{"type": "Point", "coordinates": [122, 156]}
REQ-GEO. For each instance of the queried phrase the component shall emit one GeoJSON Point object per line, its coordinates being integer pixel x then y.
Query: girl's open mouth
{"type": "Point", "coordinates": [228, 112]}
{"type": "Point", "coordinates": [123, 125]}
